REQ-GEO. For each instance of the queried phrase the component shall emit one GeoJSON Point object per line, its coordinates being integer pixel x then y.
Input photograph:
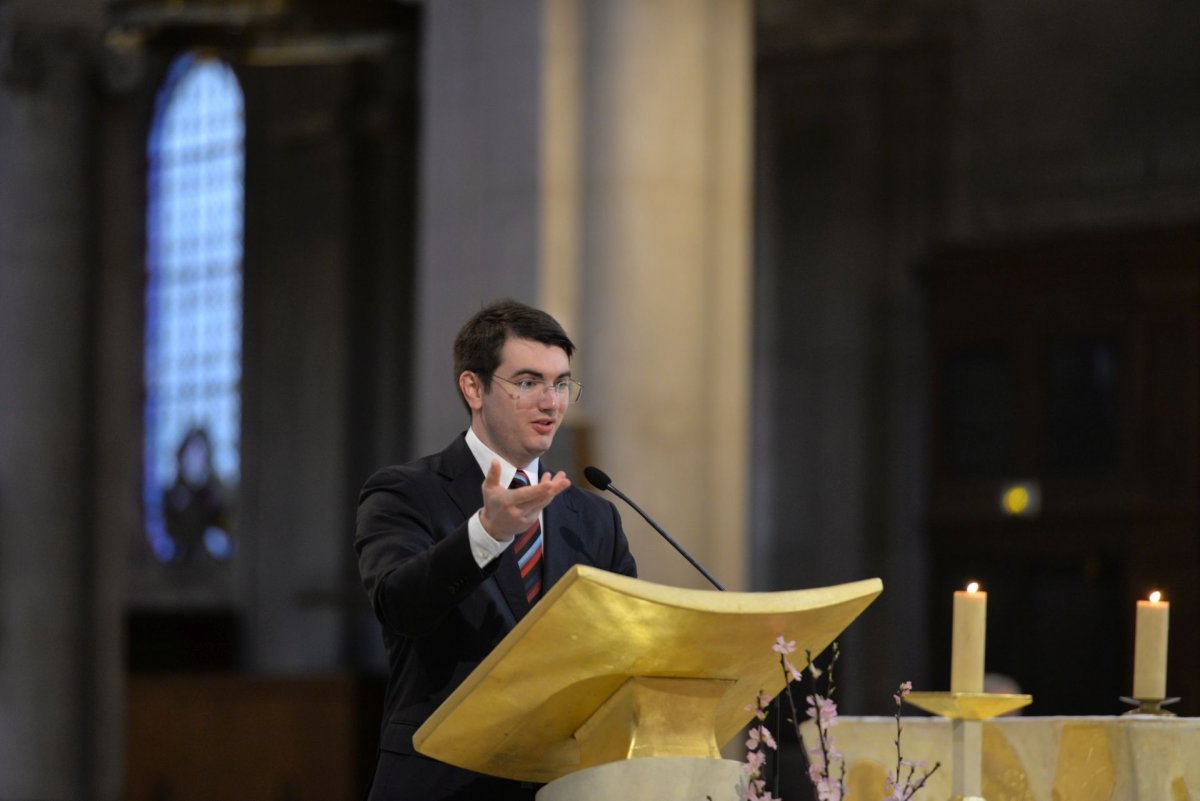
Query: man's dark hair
{"type": "Point", "coordinates": [479, 342]}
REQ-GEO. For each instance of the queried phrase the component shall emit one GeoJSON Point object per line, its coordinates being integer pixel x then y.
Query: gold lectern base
{"type": "Point", "coordinates": [650, 779]}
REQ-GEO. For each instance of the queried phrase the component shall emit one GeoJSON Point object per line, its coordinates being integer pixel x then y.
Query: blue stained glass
{"type": "Point", "coordinates": [193, 356]}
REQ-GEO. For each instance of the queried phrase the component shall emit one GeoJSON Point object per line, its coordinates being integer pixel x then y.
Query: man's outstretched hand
{"type": "Point", "coordinates": [508, 512]}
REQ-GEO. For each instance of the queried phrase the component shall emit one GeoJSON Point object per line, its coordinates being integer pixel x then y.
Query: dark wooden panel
{"type": "Point", "coordinates": [1073, 364]}
{"type": "Point", "coordinates": [217, 737]}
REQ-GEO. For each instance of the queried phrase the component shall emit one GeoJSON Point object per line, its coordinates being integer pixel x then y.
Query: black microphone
{"type": "Point", "coordinates": [600, 480]}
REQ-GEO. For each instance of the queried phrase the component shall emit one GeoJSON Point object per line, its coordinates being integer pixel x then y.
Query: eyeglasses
{"type": "Point", "coordinates": [529, 389]}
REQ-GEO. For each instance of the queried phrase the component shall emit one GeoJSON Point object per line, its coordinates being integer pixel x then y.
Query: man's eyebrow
{"type": "Point", "coordinates": [531, 373]}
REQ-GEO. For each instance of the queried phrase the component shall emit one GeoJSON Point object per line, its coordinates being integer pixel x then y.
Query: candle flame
{"type": "Point", "coordinates": [973, 586]}
{"type": "Point", "coordinates": [1155, 597]}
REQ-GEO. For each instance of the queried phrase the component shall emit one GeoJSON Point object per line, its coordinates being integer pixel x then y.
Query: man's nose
{"type": "Point", "coordinates": [548, 398]}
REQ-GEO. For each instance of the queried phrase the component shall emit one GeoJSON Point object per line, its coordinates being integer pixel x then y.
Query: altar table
{"type": "Point", "coordinates": [1128, 758]}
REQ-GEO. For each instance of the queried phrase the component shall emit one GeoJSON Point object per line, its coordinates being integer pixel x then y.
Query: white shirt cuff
{"type": "Point", "coordinates": [483, 547]}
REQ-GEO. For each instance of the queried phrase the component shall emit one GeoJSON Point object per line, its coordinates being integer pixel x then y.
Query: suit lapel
{"type": "Point", "coordinates": [557, 556]}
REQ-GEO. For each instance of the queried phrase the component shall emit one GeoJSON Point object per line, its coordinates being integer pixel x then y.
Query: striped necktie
{"type": "Point", "coordinates": [529, 549]}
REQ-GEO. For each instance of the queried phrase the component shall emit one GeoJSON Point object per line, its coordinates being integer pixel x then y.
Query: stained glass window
{"type": "Point", "coordinates": [193, 336]}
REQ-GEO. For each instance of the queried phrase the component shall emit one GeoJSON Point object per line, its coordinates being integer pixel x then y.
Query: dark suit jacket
{"type": "Point", "coordinates": [441, 614]}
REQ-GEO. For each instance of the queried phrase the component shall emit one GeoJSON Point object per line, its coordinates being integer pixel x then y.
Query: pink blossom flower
{"type": "Point", "coordinates": [829, 789]}
{"type": "Point", "coordinates": [754, 789]}
{"type": "Point", "coordinates": [759, 707]}
{"type": "Point", "coordinates": [783, 646]}
{"type": "Point", "coordinates": [760, 735]}
{"type": "Point", "coordinates": [822, 709]}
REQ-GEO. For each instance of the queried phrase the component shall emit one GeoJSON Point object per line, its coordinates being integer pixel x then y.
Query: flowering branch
{"type": "Point", "coordinates": [759, 736]}
{"type": "Point", "coordinates": [897, 789]}
{"type": "Point", "coordinates": [822, 710]}
{"type": "Point", "coordinates": [826, 765]}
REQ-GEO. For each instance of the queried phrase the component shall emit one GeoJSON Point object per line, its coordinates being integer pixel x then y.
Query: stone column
{"type": "Point", "coordinates": [59, 641]}
{"type": "Point", "coordinates": [665, 299]}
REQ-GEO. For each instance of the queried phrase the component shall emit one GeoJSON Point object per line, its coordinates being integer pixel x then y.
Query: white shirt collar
{"type": "Point", "coordinates": [484, 456]}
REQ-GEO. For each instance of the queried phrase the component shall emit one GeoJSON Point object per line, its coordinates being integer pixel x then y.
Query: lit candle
{"type": "Point", "coordinates": [1150, 648]}
{"type": "Point", "coordinates": [970, 635]}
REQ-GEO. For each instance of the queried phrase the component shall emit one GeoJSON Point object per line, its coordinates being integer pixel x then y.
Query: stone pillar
{"type": "Point", "coordinates": [665, 298]}
{"type": "Point", "coordinates": [59, 647]}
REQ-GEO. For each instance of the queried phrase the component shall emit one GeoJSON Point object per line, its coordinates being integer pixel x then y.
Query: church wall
{"type": "Point", "coordinates": [884, 135]}
{"type": "Point", "coordinates": [847, 148]}
{"type": "Point", "coordinates": [1074, 116]}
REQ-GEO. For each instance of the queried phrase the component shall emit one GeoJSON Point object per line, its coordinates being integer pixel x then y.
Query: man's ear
{"type": "Point", "coordinates": [472, 389]}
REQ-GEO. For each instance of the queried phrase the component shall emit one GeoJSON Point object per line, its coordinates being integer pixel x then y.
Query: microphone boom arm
{"type": "Point", "coordinates": [666, 537]}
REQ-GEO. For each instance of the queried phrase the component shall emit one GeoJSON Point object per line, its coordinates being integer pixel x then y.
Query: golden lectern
{"type": "Point", "coordinates": [612, 682]}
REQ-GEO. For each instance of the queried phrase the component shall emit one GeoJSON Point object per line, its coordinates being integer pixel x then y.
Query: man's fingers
{"type": "Point", "coordinates": [493, 477]}
{"type": "Point", "coordinates": [558, 479]}
{"type": "Point", "coordinates": [540, 494]}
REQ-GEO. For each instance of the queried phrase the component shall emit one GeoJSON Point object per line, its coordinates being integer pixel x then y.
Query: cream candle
{"type": "Point", "coordinates": [969, 638]}
{"type": "Point", "coordinates": [1150, 648]}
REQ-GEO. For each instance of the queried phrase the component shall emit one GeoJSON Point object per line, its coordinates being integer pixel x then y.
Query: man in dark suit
{"type": "Point", "coordinates": [455, 548]}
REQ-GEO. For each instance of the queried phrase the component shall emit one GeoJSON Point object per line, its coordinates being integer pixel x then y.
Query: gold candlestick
{"type": "Point", "coordinates": [1150, 706]}
{"type": "Point", "coordinates": [967, 711]}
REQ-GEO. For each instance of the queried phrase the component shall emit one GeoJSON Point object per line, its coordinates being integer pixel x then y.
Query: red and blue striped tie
{"type": "Point", "coordinates": [529, 549]}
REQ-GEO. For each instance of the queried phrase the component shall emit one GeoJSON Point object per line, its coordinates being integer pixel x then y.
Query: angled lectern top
{"type": "Point", "coordinates": [607, 667]}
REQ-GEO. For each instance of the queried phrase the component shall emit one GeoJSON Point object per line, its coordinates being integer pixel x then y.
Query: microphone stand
{"type": "Point", "coordinates": [667, 537]}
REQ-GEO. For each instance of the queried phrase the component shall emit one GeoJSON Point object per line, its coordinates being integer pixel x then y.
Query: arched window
{"type": "Point", "coordinates": [193, 336]}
